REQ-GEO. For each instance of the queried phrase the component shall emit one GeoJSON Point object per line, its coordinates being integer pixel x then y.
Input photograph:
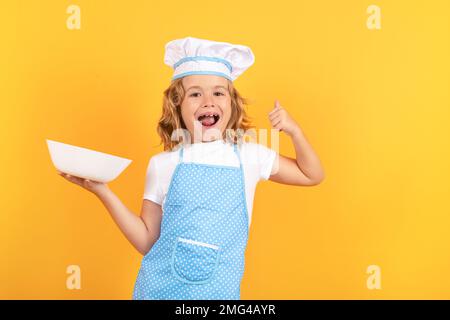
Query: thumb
{"type": "Point", "coordinates": [277, 104]}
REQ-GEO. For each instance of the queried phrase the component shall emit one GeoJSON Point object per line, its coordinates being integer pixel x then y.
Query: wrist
{"type": "Point", "coordinates": [297, 132]}
{"type": "Point", "coordinates": [102, 192]}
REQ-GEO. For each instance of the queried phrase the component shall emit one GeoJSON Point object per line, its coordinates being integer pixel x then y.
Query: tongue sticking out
{"type": "Point", "coordinates": [208, 121]}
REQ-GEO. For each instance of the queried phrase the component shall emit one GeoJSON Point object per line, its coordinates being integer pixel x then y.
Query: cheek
{"type": "Point", "coordinates": [227, 116]}
{"type": "Point", "coordinates": [188, 111]}
{"type": "Point", "coordinates": [228, 110]}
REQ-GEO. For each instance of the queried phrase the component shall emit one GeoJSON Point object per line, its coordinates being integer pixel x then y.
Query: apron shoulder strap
{"type": "Point", "coordinates": [236, 150]}
{"type": "Point", "coordinates": [180, 158]}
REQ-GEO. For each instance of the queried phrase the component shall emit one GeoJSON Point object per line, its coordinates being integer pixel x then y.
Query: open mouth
{"type": "Point", "coordinates": [208, 119]}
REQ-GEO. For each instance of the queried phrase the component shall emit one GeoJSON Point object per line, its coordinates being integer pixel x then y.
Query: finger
{"type": "Point", "coordinates": [276, 107]}
{"type": "Point", "coordinates": [275, 117]}
{"type": "Point", "coordinates": [61, 173]}
{"type": "Point", "coordinates": [278, 113]}
{"type": "Point", "coordinates": [89, 183]}
{"type": "Point", "coordinates": [78, 180]}
{"type": "Point", "coordinates": [64, 175]}
{"type": "Point", "coordinates": [276, 110]}
{"type": "Point", "coordinates": [272, 114]}
{"type": "Point", "coordinates": [276, 122]}
{"type": "Point", "coordinates": [74, 179]}
{"type": "Point", "coordinates": [277, 104]}
{"type": "Point", "coordinates": [279, 127]}
{"type": "Point", "coordinates": [68, 177]}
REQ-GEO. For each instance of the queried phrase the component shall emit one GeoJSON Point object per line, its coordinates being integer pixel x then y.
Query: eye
{"type": "Point", "coordinates": [220, 93]}
{"type": "Point", "coordinates": [191, 95]}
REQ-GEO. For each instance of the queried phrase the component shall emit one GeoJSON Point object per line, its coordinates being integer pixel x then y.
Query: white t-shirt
{"type": "Point", "coordinates": [257, 161]}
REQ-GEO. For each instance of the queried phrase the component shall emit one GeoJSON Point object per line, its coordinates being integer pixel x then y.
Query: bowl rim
{"type": "Point", "coordinates": [54, 142]}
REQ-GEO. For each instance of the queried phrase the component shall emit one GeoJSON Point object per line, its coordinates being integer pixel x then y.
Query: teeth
{"type": "Point", "coordinates": [206, 115]}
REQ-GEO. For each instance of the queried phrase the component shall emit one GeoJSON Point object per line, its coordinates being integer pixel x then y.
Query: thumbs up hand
{"type": "Point", "coordinates": [281, 120]}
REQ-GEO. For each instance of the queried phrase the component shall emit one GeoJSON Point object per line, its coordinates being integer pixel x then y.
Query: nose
{"type": "Point", "coordinates": [208, 101]}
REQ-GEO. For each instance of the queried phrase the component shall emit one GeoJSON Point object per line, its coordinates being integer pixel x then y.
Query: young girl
{"type": "Point", "coordinates": [196, 213]}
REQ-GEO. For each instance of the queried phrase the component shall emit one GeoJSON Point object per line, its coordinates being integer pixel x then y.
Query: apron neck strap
{"type": "Point", "coordinates": [181, 153]}
{"type": "Point", "coordinates": [234, 147]}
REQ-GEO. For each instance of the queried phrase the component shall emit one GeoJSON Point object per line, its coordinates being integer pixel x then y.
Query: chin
{"type": "Point", "coordinates": [213, 135]}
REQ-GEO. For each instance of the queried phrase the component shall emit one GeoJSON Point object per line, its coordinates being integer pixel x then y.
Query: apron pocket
{"type": "Point", "coordinates": [194, 261]}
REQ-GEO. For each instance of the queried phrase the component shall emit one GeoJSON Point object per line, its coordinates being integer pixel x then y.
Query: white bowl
{"type": "Point", "coordinates": [86, 163]}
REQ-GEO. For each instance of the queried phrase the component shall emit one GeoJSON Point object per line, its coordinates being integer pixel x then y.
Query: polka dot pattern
{"type": "Point", "coordinates": [204, 234]}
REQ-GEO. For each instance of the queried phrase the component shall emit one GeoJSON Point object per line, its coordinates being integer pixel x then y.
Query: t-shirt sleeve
{"type": "Point", "coordinates": [152, 189]}
{"type": "Point", "coordinates": [266, 159]}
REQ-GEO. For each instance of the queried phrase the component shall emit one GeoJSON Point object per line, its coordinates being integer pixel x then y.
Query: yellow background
{"type": "Point", "coordinates": [373, 103]}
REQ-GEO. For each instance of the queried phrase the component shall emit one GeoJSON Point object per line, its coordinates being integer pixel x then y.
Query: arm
{"type": "Point", "coordinates": [143, 231]}
{"type": "Point", "coordinates": [305, 169]}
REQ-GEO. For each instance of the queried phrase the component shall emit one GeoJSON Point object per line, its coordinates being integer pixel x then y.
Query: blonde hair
{"type": "Point", "coordinates": [172, 120]}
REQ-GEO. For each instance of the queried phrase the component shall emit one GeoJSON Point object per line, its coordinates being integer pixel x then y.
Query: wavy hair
{"type": "Point", "coordinates": [171, 120]}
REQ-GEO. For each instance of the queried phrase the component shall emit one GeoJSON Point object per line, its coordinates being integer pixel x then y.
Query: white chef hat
{"type": "Point", "coordinates": [190, 55]}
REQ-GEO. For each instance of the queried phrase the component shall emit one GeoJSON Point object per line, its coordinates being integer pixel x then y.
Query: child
{"type": "Point", "coordinates": [198, 198]}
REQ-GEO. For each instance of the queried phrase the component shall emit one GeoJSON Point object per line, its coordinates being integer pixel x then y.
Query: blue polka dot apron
{"type": "Point", "coordinates": [204, 233]}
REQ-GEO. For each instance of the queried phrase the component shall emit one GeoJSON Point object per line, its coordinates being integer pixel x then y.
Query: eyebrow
{"type": "Point", "coordinates": [200, 87]}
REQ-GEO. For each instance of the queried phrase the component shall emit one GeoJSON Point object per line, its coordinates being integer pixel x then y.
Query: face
{"type": "Point", "coordinates": [206, 107]}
